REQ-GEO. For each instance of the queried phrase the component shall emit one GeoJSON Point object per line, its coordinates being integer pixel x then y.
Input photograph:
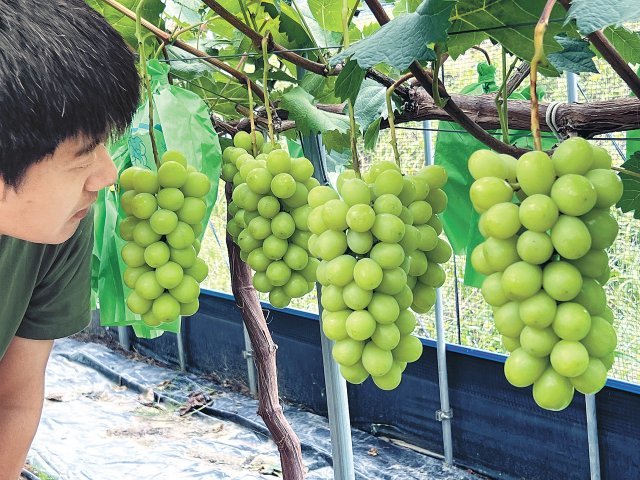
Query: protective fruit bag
{"type": "Point", "coordinates": [181, 123]}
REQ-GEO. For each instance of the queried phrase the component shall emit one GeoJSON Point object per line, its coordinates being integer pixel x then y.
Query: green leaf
{"type": "Point", "coordinates": [404, 39]}
{"type": "Point", "coordinates": [322, 88]}
{"type": "Point", "coordinates": [460, 43]}
{"type": "Point", "coordinates": [575, 57]}
{"type": "Point", "coordinates": [336, 141]}
{"type": "Point", "coordinates": [308, 118]}
{"type": "Point", "coordinates": [188, 69]}
{"type": "Point", "coordinates": [184, 11]}
{"type": "Point", "coordinates": [405, 6]}
{"type": "Point", "coordinates": [371, 104]}
{"type": "Point", "coordinates": [509, 22]}
{"type": "Point", "coordinates": [151, 11]}
{"type": "Point", "coordinates": [321, 36]}
{"type": "Point", "coordinates": [630, 201]}
{"type": "Point", "coordinates": [349, 81]}
{"type": "Point", "coordinates": [328, 13]}
{"type": "Point", "coordinates": [371, 135]}
{"type": "Point", "coordinates": [592, 15]}
{"type": "Point", "coordinates": [292, 27]}
{"type": "Point", "coordinates": [626, 42]}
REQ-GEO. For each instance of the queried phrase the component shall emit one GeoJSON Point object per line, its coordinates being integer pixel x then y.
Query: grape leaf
{"type": "Point", "coordinates": [190, 68]}
{"type": "Point", "coordinates": [371, 135]}
{"type": "Point", "coordinates": [575, 57]}
{"type": "Point", "coordinates": [630, 201]}
{"type": "Point", "coordinates": [328, 13]}
{"type": "Point", "coordinates": [405, 6]}
{"type": "Point", "coordinates": [349, 81]}
{"type": "Point", "coordinates": [308, 118]}
{"type": "Point", "coordinates": [509, 22]}
{"type": "Point", "coordinates": [404, 39]}
{"type": "Point", "coordinates": [322, 88]}
{"type": "Point", "coordinates": [321, 36]}
{"type": "Point", "coordinates": [371, 104]}
{"type": "Point", "coordinates": [592, 15]}
{"type": "Point", "coordinates": [151, 11]}
{"type": "Point", "coordinates": [185, 11]}
{"type": "Point", "coordinates": [626, 42]}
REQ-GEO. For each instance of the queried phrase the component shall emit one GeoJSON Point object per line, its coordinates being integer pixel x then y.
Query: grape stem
{"type": "Point", "coordinates": [145, 79]}
{"type": "Point", "coordinates": [392, 125]}
{"type": "Point", "coordinates": [503, 95]}
{"type": "Point", "coordinates": [626, 172]}
{"type": "Point", "coordinates": [355, 161]}
{"type": "Point", "coordinates": [538, 37]}
{"type": "Point", "coordinates": [252, 122]}
{"type": "Point", "coordinates": [265, 79]}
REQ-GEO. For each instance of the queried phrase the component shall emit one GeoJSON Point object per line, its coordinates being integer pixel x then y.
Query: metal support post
{"type": "Point", "coordinates": [123, 338]}
{"type": "Point", "coordinates": [590, 400]}
{"type": "Point", "coordinates": [251, 366]}
{"type": "Point", "coordinates": [181, 357]}
{"type": "Point", "coordinates": [428, 145]}
{"type": "Point", "coordinates": [445, 414]}
{"type": "Point", "coordinates": [336, 386]}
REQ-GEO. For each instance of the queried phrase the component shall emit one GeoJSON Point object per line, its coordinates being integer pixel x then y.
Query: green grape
{"type": "Point", "coordinates": [340, 270]}
{"type": "Point", "coordinates": [522, 369]}
{"type": "Point", "coordinates": [359, 218]}
{"type": "Point", "coordinates": [156, 254]}
{"type": "Point", "coordinates": [435, 223]}
{"type": "Point", "coordinates": [417, 263]}
{"type": "Point", "coordinates": [384, 308]}
{"type": "Point", "coordinates": [187, 290]}
{"type": "Point", "coordinates": [163, 221]}
{"type": "Point", "coordinates": [421, 212]}
{"type": "Point", "coordinates": [534, 247]}
{"type": "Point", "coordinates": [145, 181]}
{"type": "Point", "coordinates": [355, 374]}
{"type": "Point", "coordinates": [315, 220]}
{"type": "Point", "coordinates": [283, 185]}
{"type": "Point", "coordinates": [197, 185]}
{"type": "Point", "coordinates": [137, 304]}
{"type": "Point", "coordinates": [301, 239]}
{"type": "Point", "coordinates": [507, 319]}
{"type": "Point", "coordinates": [144, 235]}
{"type": "Point", "coordinates": [608, 186]}
{"type": "Point", "coordinates": [424, 298]}
{"type": "Point", "coordinates": [485, 163]}
{"type": "Point", "coordinates": [553, 391]}
{"type": "Point", "coordinates": [573, 156]}
{"type": "Point", "coordinates": [259, 180]}
{"type": "Point", "coordinates": [391, 379]}
{"type": "Point", "coordinates": [172, 175]}
{"type": "Point", "coordinates": [388, 181]}
{"type": "Point", "coordinates": [561, 280]}
{"type": "Point", "coordinates": [404, 297]}
{"type": "Point", "coordinates": [334, 324]}
{"type": "Point", "coordinates": [126, 178]}
{"type": "Point", "coordinates": [492, 290]}
{"type": "Point", "coordinates": [602, 226]}
{"type": "Point", "coordinates": [228, 172]}
{"type": "Point", "coordinates": [268, 206]}
{"type": "Point", "coordinates": [169, 275]}
{"type": "Point", "coordinates": [538, 213]}
{"type": "Point", "coordinates": [374, 359]}
{"type": "Point", "coordinates": [601, 339]}
{"type": "Point", "coordinates": [574, 194]}
{"type": "Point", "coordinates": [278, 161]}
{"type": "Point", "coordinates": [360, 325]}
{"type": "Point", "coordinates": [143, 205]}
{"type": "Point", "coordinates": [509, 343]}
{"type": "Point", "coordinates": [296, 257]}
{"type": "Point", "coordinates": [334, 214]}
{"type": "Point", "coordinates": [148, 287]}
{"type": "Point", "coordinates": [367, 273]}
{"type": "Point", "coordinates": [132, 254]}
{"type": "Point", "coordinates": [502, 220]}
{"type": "Point", "coordinates": [409, 349]}
{"type": "Point", "coordinates": [165, 307]}
{"type": "Point", "coordinates": [601, 158]}
{"type": "Point", "coordinates": [321, 195]}
{"type": "Point", "coordinates": [510, 164]}
{"type": "Point", "coordinates": [359, 242]}
{"type": "Point", "coordinates": [593, 379]}
{"type": "Point", "coordinates": [538, 310]}
{"type": "Point", "coordinates": [170, 199]}
{"type": "Point", "coordinates": [479, 262]}
{"type": "Point", "coordinates": [182, 236]}
{"type": "Point", "coordinates": [185, 257]}
{"type": "Point", "coordinates": [387, 255]}
{"type": "Point", "coordinates": [570, 237]}
{"type": "Point", "coordinates": [131, 275]}
{"type": "Point", "coordinates": [406, 216]}
{"type": "Point", "coordinates": [422, 187]}
{"type": "Point", "coordinates": [299, 197]}
{"type": "Point", "coordinates": [489, 191]}
{"type": "Point", "coordinates": [126, 201]}
{"type": "Point", "coordinates": [347, 352]}
{"type": "Point", "coordinates": [592, 296]}
{"type": "Point", "coordinates": [355, 297]}
{"type": "Point", "coordinates": [408, 193]}
{"type": "Point", "coordinates": [388, 228]}
{"type": "Point", "coordinates": [274, 247]}
{"type": "Point", "coordinates": [343, 177]}
{"type": "Point", "coordinates": [499, 253]}
{"type": "Point", "coordinates": [354, 191]}
{"type": "Point", "coordinates": [257, 260]}
{"type": "Point", "coordinates": [301, 169]}
{"type": "Point", "coordinates": [435, 176]}
{"type": "Point", "coordinates": [332, 298]}
{"type": "Point", "coordinates": [296, 286]}
{"type": "Point", "coordinates": [393, 279]}
{"type": "Point", "coordinates": [434, 276]}
{"type": "Point", "coordinates": [198, 271]}
{"type": "Point", "coordinates": [572, 321]}
{"type": "Point", "coordinates": [388, 203]}
{"type": "Point", "coordinates": [569, 358]}
{"type": "Point", "coordinates": [438, 200]}
{"type": "Point", "coordinates": [192, 211]}
{"type": "Point", "coordinates": [411, 239]}
{"type": "Point", "coordinates": [593, 264]}
{"type": "Point", "coordinates": [536, 173]}
{"type": "Point", "coordinates": [283, 225]}
{"type": "Point", "coordinates": [538, 342]}
{"type": "Point", "coordinates": [406, 322]}
{"type": "Point", "coordinates": [126, 227]}
{"type": "Point", "coordinates": [331, 244]}
{"type": "Point", "coordinates": [278, 298]}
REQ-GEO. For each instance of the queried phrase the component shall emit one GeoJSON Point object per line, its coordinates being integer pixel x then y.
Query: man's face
{"type": "Point", "coordinates": [56, 192]}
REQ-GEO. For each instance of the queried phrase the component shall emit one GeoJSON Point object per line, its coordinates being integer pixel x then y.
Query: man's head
{"type": "Point", "coordinates": [67, 81]}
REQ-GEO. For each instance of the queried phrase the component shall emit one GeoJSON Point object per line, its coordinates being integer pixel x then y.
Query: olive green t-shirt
{"type": "Point", "coordinates": [45, 289]}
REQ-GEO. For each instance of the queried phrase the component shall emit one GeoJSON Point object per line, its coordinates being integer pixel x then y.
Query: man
{"type": "Point", "coordinates": [67, 82]}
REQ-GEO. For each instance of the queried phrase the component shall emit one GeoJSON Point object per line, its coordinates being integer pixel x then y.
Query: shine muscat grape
{"type": "Point", "coordinates": [546, 265]}
{"type": "Point", "coordinates": [270, 211]}
{"type": "Point", "coordinates": [165, 210]}
{"type": "Point", "coordinates": [378, 241]}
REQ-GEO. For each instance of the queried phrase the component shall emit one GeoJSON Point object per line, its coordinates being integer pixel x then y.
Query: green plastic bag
{"type": "Point", "coordinates": [181, 122]}
{"type": "Point", "coordinates": [460, 220]}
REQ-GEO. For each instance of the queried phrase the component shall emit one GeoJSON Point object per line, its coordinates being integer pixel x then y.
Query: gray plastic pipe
{"type": "Point", "coordinates": [445, 414]}
{"type": "Point", "coordinates": [590, 400]}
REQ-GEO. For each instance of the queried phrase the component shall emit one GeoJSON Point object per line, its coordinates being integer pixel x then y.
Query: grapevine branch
{"type": "Point", "coordinates": [264, 349]}
{"type": "Point", "coordinates": [166, 38]}
{"type": "Point", "coordinates": [454, 111]}
{"type": "Point", "coordinates": [611, 55]}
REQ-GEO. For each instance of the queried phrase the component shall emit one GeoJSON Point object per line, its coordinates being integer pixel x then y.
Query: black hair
{"type": "Point", "coordinates": [64, 72]}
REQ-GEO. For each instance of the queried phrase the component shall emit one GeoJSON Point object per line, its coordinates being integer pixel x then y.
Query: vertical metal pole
{"type": "Point", "coordinates": [590, 400]}
{"type": "Point", "coordinates": [123, 338]}
{"type": "Point", "coordinates": [428, 146]}
{"type": "Point", "coordinates": [251, 366]}
{"type": "Point", "coordinates": [181, 357]}
{"type": "Point", "coordinates": [445, 414]}
{"type": "Point", "coordinates": [337, 399]}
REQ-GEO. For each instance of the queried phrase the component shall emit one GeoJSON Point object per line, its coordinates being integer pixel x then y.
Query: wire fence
{"type": "Point", "coordinates": [468, 319]}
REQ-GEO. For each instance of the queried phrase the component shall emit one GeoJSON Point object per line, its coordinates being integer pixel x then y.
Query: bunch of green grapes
{"type": "Point", "coordinates": [546, 264]}
{"type": "Point", "coordinates": [270, 211]}
{"type": "Point", "coordinates": [377, 241]}
{"type": "Point", "coordinates": [164, 211]}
